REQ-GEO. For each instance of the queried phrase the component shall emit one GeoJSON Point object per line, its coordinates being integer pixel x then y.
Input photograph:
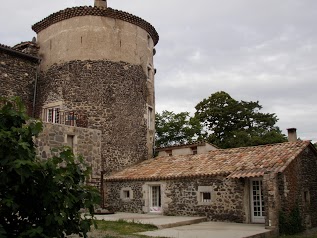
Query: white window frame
{"type": "Point", "coordinates": [200, 195]}
{"type": "Point", "coordinates": [123, 194]}
{"type": "Point", "coordinates": [205, 200]}
{"type": "Point", "coordinates": [52, 113]}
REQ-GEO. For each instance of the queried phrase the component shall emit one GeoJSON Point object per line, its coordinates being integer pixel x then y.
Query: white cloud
{"type": "Point", "coordinates": [253, 49]}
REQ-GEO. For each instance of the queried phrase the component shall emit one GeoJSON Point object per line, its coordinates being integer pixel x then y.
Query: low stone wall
{"type": "Point", "coordinates": [86, 142]}
{"type": "Point", "coordinates": [181, 197]}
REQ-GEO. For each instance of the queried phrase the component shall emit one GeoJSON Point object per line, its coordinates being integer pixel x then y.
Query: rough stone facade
{"type": "Point", "coordinates": [272, 202]}
{"type": "Point", "coordinates": [113, 201]}
{"type": "Point", "coordinates": [226, 205]}
{"type": "Point", "coordinates": [298, 187]}
{"type": "Point", "coordinates": [180, 198]}
{"type": "Point", "coordinates": [17, 76]}
{"type": "Point", "coordinates": [111, 96]}
{"type": "Point", "coordinates": [83, 141]}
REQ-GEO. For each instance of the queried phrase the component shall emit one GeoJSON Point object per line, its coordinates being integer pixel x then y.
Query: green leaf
{"type": "Point", "coordinates": [45, 193]}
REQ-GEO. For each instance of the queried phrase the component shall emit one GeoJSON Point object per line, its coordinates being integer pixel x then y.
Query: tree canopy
{"type": "Point", "coordinates": [39, 198]}
{"type": "Point", "coordinates": [220, 120]}
{"type": "Point", "coordinates": [175, 128]}
{"type": "Point", "coordinates": [230, 123]}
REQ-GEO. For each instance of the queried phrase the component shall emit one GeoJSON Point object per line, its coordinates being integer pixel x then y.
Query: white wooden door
{"type": "Point", "coordinates": [155, 199]}
{"type": "Point", "coordinates": [257, 201]}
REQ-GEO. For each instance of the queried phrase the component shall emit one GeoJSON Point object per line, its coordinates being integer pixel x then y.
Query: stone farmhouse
{"type": "Point", "coordinates": [246, 185]}
{"type": "Point", "coordinates": [89, 76]}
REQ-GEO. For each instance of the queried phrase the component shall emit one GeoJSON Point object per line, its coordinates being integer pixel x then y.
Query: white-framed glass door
{"type": "Point", "coordinates": [257, 201]}
{"type": "Point", "coordinates": [155, 199]}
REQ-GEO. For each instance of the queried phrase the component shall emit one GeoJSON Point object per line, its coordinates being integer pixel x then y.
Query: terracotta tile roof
{"type": "Point", "coordinates": [234, 163]}
{"type": "Point", "coordinates": [96, 11]}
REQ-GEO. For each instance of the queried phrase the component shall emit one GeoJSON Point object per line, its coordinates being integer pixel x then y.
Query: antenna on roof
{"type": "Point", "coordinates": [101, 3]}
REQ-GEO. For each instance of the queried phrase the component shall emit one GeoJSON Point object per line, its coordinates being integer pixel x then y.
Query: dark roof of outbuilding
{"type": "Point", "coordinates": [233, 163]}
{"type": "Point", "coordinates": [13, 51]}
{"type": "Point", "coordinates": [96, 11]}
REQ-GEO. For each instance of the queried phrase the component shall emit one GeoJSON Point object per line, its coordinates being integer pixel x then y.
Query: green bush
{"type": "Point", "coordinates": [290, 223]}
{"type": "Point", "coordinates": [39, 198]}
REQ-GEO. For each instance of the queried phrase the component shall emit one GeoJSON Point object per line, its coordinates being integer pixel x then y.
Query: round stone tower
{"type": "Point", "coordinates": [97, 72]}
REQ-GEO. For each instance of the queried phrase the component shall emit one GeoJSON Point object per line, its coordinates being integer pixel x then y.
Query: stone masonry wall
{"type": "Point", "coordinates": [298, 187]}
{"type": "Point", "coordinates": [227, 204]}
{"type": "Point", "coordinates": [179, 198]}
{"type": "Point", "coordinates": [112, 96]}
{"type": "Point", "coordinates": [85, 142]}
{"type": "Point", "coordinates": [113, 202]}
{"type": "Point", "coordinates": [17, 76]}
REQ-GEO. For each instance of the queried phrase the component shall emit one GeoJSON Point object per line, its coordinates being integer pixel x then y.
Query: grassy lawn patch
{"type": "Point", "coordinates": [123, 228]}
{"type": "Point", "coordinates": [300, 236]}
{"type": "Point", "coordinates": [307, 234]}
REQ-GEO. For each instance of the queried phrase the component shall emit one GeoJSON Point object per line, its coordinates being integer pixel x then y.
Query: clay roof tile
{"type": "Point", "coordinates": [234, 163]}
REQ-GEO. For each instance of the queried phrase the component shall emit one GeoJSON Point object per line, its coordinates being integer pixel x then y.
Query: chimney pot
{"type": "Point", "coordinates": [292, 135]}
{"type": "Point", "coordinates": [101, 3]}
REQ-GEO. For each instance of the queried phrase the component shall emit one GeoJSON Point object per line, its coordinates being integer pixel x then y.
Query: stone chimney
{"type": "Point", "coordinates": [101, 3]}
{"type": "Point", "coordinates": [292, 135]}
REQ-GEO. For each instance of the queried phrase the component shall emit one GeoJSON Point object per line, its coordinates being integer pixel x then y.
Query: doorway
{"type": "Point", "coordinates": [257, 201]}
{"type": "Point", "coordinates": [155, 199]}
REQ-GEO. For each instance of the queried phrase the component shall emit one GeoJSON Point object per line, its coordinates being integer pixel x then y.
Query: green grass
{"type": "Point", "coordinates": [300, 236]}
{"type": "Point", "coordinates": [123, 228]}
{"type": "Point", "coordinates": [307, 234]}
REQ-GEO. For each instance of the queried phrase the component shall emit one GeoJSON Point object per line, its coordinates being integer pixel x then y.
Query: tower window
{"type": "Point", "coordinates": [150, 117]}
{"type": "Point", "coordinates": [149, 73]}
{"type": "Point", "coordinates": [52, 115]}
{"type": "Point", "coordinates": [149, 41]}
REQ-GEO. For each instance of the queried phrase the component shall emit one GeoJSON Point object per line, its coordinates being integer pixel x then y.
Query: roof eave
{"type": "Point", "coordinates": [19, 53]}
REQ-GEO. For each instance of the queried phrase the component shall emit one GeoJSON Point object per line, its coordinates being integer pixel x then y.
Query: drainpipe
{"type": "Point", "coordinates": [102, 191]}
{"type": "Point", "coordinates": [35, 88]}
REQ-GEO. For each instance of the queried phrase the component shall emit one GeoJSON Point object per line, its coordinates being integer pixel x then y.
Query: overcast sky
{"type": "Point", "coordinates": [259, 50]}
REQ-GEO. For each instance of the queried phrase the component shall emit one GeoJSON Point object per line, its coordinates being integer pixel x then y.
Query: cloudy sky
{"type": "Point", "coordinates": [263, 50]}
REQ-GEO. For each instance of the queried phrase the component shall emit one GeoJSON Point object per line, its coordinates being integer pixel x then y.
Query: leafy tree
{"type": "Point", "coordinates": [315, 144]}
{"type": "Point", "coordinates": [229, 123]}
{"type": "Point", "coordinates": [39, 198]}
{"type": "Point", "coordinates": [175, 128]}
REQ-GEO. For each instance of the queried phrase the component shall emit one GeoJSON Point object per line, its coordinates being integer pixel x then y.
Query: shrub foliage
{"type": "Point", "coordinates": [39, 198]}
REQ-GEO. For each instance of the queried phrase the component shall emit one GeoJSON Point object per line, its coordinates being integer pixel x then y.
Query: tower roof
{"type": "Point", "coordinates": [96, 11]}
